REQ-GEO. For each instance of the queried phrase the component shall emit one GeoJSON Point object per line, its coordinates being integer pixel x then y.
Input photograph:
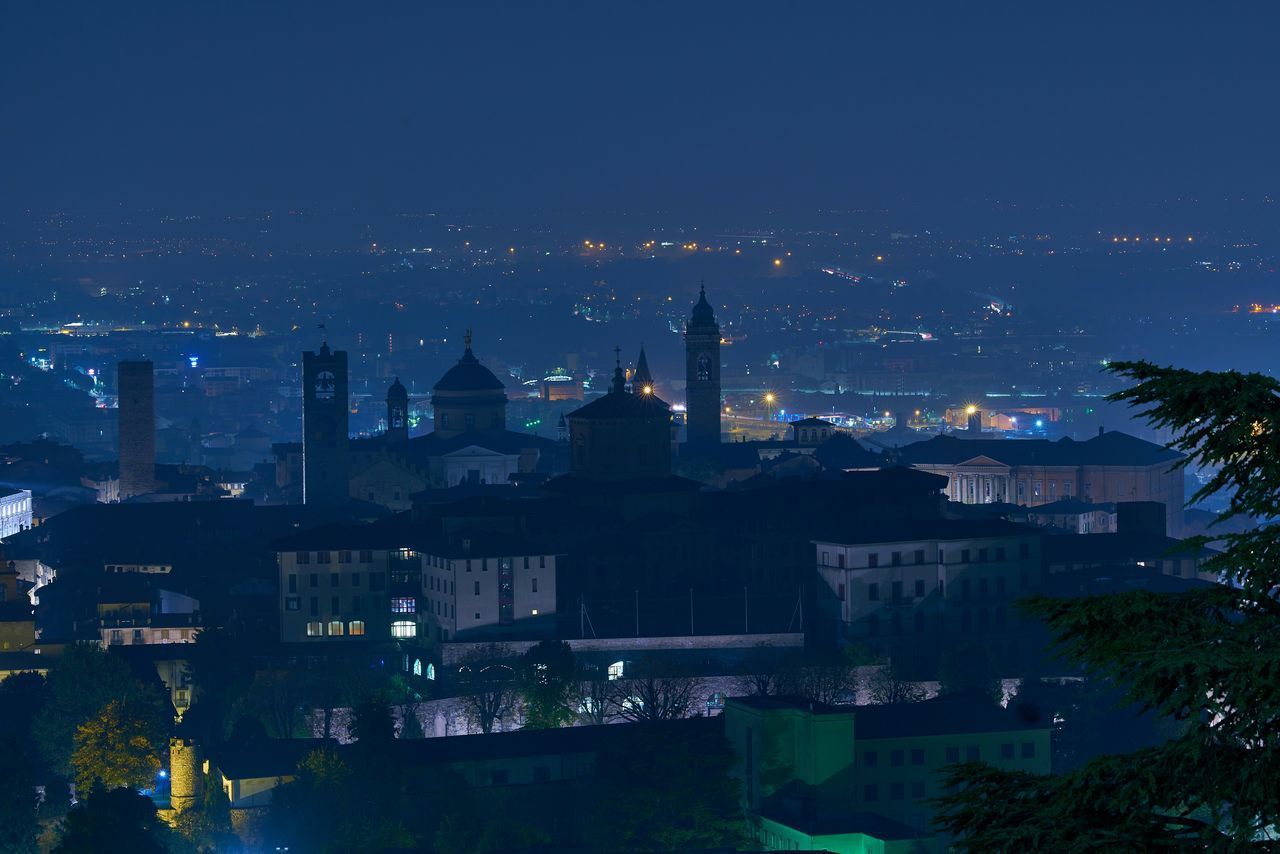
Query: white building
{"type": "Point", "coordinates": [921, 586]}
{"type": "Point", "coordinates": [15, 511]}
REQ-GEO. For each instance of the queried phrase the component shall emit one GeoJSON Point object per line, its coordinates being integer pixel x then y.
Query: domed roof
{"type": "Point", "coordinates": [703, 314]}
{"type": "Point", "coordinates": [397, 391]}
{"type": "Point", "coordinates": [469, 375]}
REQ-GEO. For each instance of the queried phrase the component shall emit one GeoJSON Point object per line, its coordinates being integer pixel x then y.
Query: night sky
{"type": "Point", "coordinates": [522, 107]}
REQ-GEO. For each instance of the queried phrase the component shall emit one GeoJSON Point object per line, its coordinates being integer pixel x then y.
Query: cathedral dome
{"type": "Point", "coordinates": [469, 375]}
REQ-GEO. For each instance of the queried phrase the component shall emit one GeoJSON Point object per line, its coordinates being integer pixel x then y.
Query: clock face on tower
{"type": "Point", "coordinates": [325, 385]}
{"type": "Point", "coordinates": [704, 367]}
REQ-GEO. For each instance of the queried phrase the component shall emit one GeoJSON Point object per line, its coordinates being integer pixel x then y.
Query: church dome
{"type": "Point", "coordinates": [469, 375]}
{"type": "Point", "coordinates": [397, 391]}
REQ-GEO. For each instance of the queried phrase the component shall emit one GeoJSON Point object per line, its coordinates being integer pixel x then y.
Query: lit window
{"type": "Point", "coordinates": [335, 627]}
{"type": "Point", "coordinates": [431, 670]}
{"type": "Point", "coordinates": [404, 629]}
{"type": "Point", "coordinates": [355, 627]}
{"type": "Point", "coordinates": [615, 670]}
{"type": "Point", "coordinates": [403, 605]}
{"type": "Point", "coordinates": [315, 629]}
{"type": "Point", "coordinates": [417, 667]}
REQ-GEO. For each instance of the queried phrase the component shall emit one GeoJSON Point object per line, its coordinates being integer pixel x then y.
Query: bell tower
{"type": "Point", "coordinates": [397, 414]}
{"type": "Point", "coordinates": [702, 374]}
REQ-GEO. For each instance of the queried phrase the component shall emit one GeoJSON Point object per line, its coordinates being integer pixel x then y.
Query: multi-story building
{"type": "Point", "coordinates": [916, 587]}
{"type": "Point", "coordinates": [859, 778]}
{"type": "Point", "coordinates": [357, 584]}
{"type": "Point", "coordinates": [485, 581]}
{"type": "Point", "coordinates": [15, 511]}
{"type": "Point", "coordinates": [1110, 467]}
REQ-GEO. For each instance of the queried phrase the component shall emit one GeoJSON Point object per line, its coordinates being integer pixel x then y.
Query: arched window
{"type": "Point", "coordinates": [404, 629]}
{"type": "Point", "coordinates": [335, 627]}
{"type": "Point", "coordinates": [417, 667]}
{"type": "Point", "coordinates": [431, 670]}
{"type": "Point", "coordinates": [616, 670]}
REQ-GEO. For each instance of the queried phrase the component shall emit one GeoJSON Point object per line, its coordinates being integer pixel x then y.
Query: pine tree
{"type": "Point", "coordinates": [1208, 658]}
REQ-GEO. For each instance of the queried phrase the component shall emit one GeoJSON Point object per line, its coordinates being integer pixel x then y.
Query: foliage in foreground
{"type": "Point", "coordinates": [1208, 658]}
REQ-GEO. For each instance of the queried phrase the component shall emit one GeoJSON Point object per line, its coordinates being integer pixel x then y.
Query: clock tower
{"type": "Point", "coordinates": [702, 375]}
{"type": "Point", "coordinates": [397, 414]}
{"type": "Point", "coordinates": [325, 408]}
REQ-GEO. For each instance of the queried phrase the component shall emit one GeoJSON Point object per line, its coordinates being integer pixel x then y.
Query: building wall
{"type": "Point", "coordinates": [357, 581]}
{"type": "Point", "coordinates": [15, 513]}
{"type": "Point", "coordinates": [465, 593]}
{"type": "Point", "coordinates": [924, 595]}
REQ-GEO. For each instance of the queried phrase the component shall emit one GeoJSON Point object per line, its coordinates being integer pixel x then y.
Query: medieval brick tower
{"type": "Point", "coordinates": [702, 374]}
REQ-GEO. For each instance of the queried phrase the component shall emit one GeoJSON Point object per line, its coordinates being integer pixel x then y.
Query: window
{"type": "Point", "coordinates": [1006, 750]}
{"type": "Point", "coordinates": [355, 627]}
{"type": "Point", "coordinates": [873, 592]}
{"type": "Point", "coordinates": [1024, 550]}
{"type": "Point", "coordinates": [366, 556]}
{"type": "Point", "coordinates": [377, 581]}
{"type": "Point", "coordinates": [917, 790]}
{"type": "Point", "coordinates": [919, 588]}
{"type": "Point", "coordinates": [468, 565]}
{"type": "Point", "coordinates": [334, 579]}
{"type": "Point", "coordinates": [315, 606]}
{"type": "Point", "coordinates": [541, 773]}
{"type": "Point", "coordinates": [355, 579]}
{"type": "Point", "coordinates": [964, 555]}
{"type": "Point", "coordinates": [982, 586]}
{"type": "Point", "coordinates": [919, 556]}
{"type": "Point", "coordinates": [431, 668]}
{"type": "Point", "coordinates": [302, 557]}
{"type": "Point", "coordinates": [1028, 750]}
{"type": "Point", "coordinates": [897, 791]}
{"type": "Point", "coordinates": [333, 605]}
{"type": "Point", "coordinates": [404, 629]}
{"type": "Point", "coordinates": [896, 758]}
{"type": "Point", "coordinates": [871, 792]}
{"type": "Point", "coordinates": [314, 629]}
{"type": "Point", "coordinates": [315, 579]}
{"type": "Point", "coordinates": [335, 628]}
{"type": "Point", "coordinates": [616, 670]}
{"type": "Point", "coordinates": [870, 759]}
{"type": "Point", "coordinates": [972, 753]}
{"type": "Point", "coordinates": [403, 605]}
{"type": "Point", "coordinates": [897, 591]}
{"type": "Point", "coordinates": [917, 756]}
{"type": "Point", "coordinates": [477, 588]}
{"type": "Point", "coordinates": [535, 586]}
{"type": "Point", "coordinates": [322, 557]}
{"type": "Point", "coordinates": [477, 615]}
{"type": "Point", "coordinates": [526, 563]}
{"type": "Point", "coordinates": [826, 558]}
{"type": "Point", "coordinates": [982, 555]}
{"type": "Point", "coordinates": [840, 591]}
{"type": "Point", "coordinates": [344, 557]}
{"type": "Point", "coordinates": [293, 583]}
{"type": "Point", "coordinates": [873, 560]}
{"type": "Point", "coordinates": [293, 603]}
{"type": "Point", "coordinates": [355, 604]}
{"type": "Point", "coordinates": [895, 558]}
{"type": "Point", "coordinates": [953, 754]}
{"type": "Point", "coordinates": [1000, 553]}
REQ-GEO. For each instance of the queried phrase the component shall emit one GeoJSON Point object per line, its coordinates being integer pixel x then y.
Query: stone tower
{"type": "Point", "coordinates": [136, 387]}
{"type": "Point", "coordinates": [702, 374]}
{"type": "Point", "coordinates": [185, 774]}
{"type": "Point", "coordinates": [397, 414]}
{"type": "Point", "coordinates": [325, 438]}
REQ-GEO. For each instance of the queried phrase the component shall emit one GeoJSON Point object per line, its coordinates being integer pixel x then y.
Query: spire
{"type": "Point", "coordinates": [703, 313]}
{"type": "Point", "coordinates": [642, 379]}
{"type": "Point", "coordinates": [619, 378]}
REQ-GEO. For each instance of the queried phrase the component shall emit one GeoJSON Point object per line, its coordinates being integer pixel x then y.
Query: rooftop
{"type": "Point", "coordinates": [1113, 448]}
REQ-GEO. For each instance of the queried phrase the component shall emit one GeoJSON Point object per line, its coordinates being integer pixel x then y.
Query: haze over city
{"type": "Point", "coordinates": [538, 427]}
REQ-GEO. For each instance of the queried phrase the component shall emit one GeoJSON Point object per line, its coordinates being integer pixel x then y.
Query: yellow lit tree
{"type": "Point", "coordinates": [117, 748]}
